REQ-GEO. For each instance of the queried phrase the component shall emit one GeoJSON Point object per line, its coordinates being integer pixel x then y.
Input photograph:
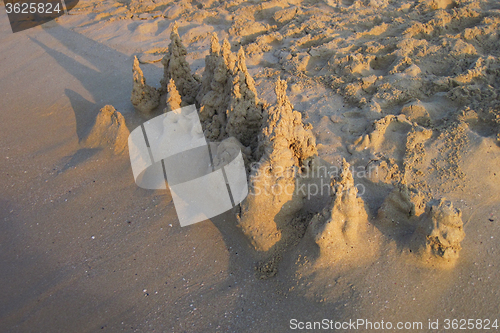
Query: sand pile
{"type": "Point", "coordinates": [109, 131]}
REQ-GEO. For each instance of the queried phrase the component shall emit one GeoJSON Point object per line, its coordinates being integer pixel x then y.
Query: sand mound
{"type": "Point", "coordinates": [342, 229]}
{"type": "Point", "coordinates": [109, 131]}
{"type": "Point", "coordinates": [144, 97]}
{"type": "Point", "coordinates": [397, 217]}
{"type": "Point", "coordinates": [434, 235]}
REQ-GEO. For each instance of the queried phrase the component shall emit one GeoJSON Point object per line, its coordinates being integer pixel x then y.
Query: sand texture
{"type": "Point", "coordinates": [370, 134]}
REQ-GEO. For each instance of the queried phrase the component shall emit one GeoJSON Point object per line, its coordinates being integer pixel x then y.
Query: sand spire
{"type": "Point", "coordinates": [173, 98]}
{"type": "Point", "coordinates": [244, 113]}
{"type": "Point", "coordinates": [274, 200]}
{"type": "Point", "coordinates": [177, 68]}
{"type": "Point", "coordinates": [144, 98]}
{"type": "Point", "coordinates": [340, 230]}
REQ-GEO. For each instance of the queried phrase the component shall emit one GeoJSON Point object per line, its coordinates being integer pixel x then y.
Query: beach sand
{"type": "Point", "coordinates": [410, 88]}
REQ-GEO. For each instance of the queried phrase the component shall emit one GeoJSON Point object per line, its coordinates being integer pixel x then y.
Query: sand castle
{"type": "Point", "coordinates": [284, 146]}
{"type": "Point", "coordinates": [278, 147]}
{"type": "Point", "coordinates": [440, 232]}
{"type": "Point", "coordinates": [274, 137]}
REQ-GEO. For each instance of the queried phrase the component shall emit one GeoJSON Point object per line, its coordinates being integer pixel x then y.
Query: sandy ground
{"type": "Point", "coordinates": [83, 249]}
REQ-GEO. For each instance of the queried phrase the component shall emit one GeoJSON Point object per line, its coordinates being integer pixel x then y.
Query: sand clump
{"type": "Point", "coordinates": [109, 131]}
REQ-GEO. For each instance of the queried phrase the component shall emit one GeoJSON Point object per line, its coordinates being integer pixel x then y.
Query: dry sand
{"type": "Point", "coordinates": [402, 98]}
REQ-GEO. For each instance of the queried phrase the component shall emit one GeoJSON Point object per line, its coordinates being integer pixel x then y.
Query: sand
{"type": "Point", "coordinates": [390, 107]}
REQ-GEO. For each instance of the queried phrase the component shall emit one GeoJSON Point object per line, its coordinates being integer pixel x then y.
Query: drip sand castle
{"type": "Point", "coordinates": [281, 157]}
